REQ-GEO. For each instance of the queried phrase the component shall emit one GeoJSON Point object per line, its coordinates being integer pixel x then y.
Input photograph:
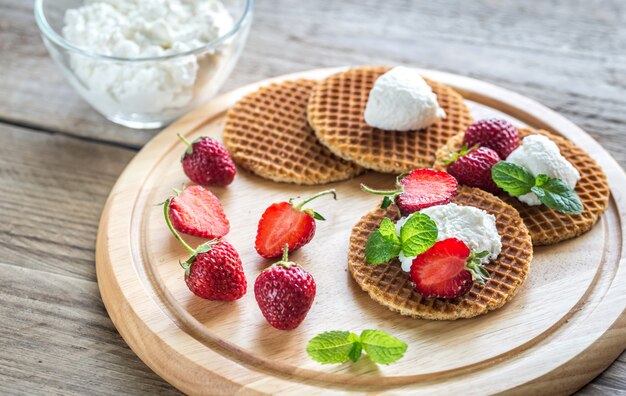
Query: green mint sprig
{"type": "Point", "coordinates": [552, 192]}
{"type": "Point", "coordinates": [340, 346]}
{"type": "Point", "coordinates": [417, 235]}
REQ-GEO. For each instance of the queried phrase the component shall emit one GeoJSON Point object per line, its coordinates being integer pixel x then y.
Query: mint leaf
{"type": "Point", "coordinates": [381, 347]}
{"type": "Point", "coordinates": [334, 347]}
{"type": "Point", "coordinates": [383, 244]}
{"type": "Point", "coordinates": [512, 178]}
{"type": "Point", "coordinates": [418, 234]}
{"type": "Point", "coordinates": [556, 194]}
{"type": "Point", "coordinates": [355, 352]}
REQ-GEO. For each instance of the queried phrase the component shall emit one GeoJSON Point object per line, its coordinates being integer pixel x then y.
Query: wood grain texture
{"type": "Point", "coordinates": [570, 55]}
{"type": "Point", "coordinates": [199, 345]}
{"type": "Point", "coordinates": [55, 335]}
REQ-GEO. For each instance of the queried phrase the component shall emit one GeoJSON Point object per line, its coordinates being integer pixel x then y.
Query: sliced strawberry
{"type": "Point", "coordinates": [446, 270]}
{"type": "Point", "coordinates": [196, 211]}
{"type": "Point", "coordinates": [286, 223]}
{"type": "Point", "coordinates": [419, 189]}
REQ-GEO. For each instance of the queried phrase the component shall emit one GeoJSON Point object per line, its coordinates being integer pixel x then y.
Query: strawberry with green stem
{"type": "Point", "coordinates": [287, 223]}
{"type": "Point", "coordinates": [214, 270]}
{"type": "Point", "coordinates": [207, 162]}
{"type": "Point", "coordinates": [285, 293]}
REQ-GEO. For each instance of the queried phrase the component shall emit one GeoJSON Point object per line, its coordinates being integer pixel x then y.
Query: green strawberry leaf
{"type": "Point", "coordinates": [418, 234]}
{"type": "Point", "coordinates": [558, 195]}
{"type": "Point", "coordinates": [383, 244]}
{"type": "Point", "coordinates": [512, 178]}
{"type": "Point", "coordinates": [334, 347]}
{"type": "Point", "coordinates": [381, 347]}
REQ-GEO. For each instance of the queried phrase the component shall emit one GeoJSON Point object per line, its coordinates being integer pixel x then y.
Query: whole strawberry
{"type": "Point", "coordinates": [473, 168]}
{"type": "Point", "coordinates": [196, 211]}
{"type": "Point", "coordinates": [287, 223]}
{"type": "Point", "coordinates": [497, 134]}
{"type": "Point", "coordinates": [285, 293]}
{"type": "Point", "coordinates": [207, 162]}
{"type": "Point", "coordinates": [214, 270]}
{"type": "Point", "coordinates": [418, 189]}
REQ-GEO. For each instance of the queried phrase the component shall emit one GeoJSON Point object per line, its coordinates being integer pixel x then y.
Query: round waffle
{"type": "Point", "coordinates": [388, 285]}
{"type": "Point", "coordinates": [336, 109]}
{"type": "Point", "coordinates": [547, 226]}
{"type": "Point", "coordinates": [267, 133]}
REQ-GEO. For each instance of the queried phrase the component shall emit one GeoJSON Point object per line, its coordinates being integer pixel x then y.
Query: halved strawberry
{"type": "Point", "coordinates": [196, 211]}
{"type": "Point", "coordinates": [447, 269]}
{"type": "Point", "coordinates": [286, 223]}
{"type": "Point", "coordinates": [419, 189]}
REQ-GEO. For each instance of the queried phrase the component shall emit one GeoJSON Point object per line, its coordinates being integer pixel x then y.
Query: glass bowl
{"type": "Point", "coordinates": [144, 92]}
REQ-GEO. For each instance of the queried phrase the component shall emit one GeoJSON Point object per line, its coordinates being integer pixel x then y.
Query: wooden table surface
{"type": "Point", "coordinates": [59, 158]}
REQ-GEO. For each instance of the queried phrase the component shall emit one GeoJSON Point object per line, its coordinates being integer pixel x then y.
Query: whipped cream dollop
{"type": "Point", "coordinates": [472, 225]}
{"type": "Point", "coordinates": [402, 101]}
{"type": "Point", "coordinates": [540, 155]}
{"type": "Point", "coordinates": [140, 29]}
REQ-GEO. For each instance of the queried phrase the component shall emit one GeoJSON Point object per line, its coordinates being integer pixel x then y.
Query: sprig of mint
{"type": "Point", "coordinates": [552, 192]}
{"type": "Point", "coordinates": [417, 235]}
{"type": "Point", "coordinates": [341, 346]}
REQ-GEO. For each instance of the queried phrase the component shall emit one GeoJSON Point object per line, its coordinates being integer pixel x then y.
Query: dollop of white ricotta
{"type": "Point", "coordinates": [472, 225]}
{"type": "Point", "coordinates": [402, 101]}
{"type": "Point", "coordinates": [540, 155]}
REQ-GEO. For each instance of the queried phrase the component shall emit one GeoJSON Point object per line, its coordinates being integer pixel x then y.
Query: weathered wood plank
{"type": "Point", "coordinates": [569, 55]}
{"type": "Point", "coordinates": [55, 335]}
{"type": "Point", "coordinates": [56, 338]}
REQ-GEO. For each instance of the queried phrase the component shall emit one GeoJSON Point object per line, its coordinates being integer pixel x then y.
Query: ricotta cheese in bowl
{"type": "Point", "coordinates": [145, 63]}
{"type": "Point", "coordinates": [474, 226]}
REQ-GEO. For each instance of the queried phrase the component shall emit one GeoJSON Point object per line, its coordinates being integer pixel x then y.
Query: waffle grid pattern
{"type": "Point", "coordinates": [388, 285]}
{"type": "Point", "coordinates": [267, 133]}
{"type": "Point", "coordinates": [336, 109]}
{"type": "Point", "coordinates": [547, 226]}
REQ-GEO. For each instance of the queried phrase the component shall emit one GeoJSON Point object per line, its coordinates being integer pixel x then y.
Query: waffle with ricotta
{"type": "Point", "coordinates": [546, 225]}
{"type": "Point", "coordinates": [336, 113]}
{"type": "Point", "coordinates": [388, 285]}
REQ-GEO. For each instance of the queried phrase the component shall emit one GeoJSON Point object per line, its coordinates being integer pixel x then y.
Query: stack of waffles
{"type": "Point", "coordinates": [310, 132]}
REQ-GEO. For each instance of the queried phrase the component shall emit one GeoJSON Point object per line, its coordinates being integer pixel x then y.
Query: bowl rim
{"type": "Point", "coordinates": [52, 35]}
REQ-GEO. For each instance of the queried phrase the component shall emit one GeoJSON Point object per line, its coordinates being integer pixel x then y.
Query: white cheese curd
{"type": "Point", "coordinates": [139, 29]}
{"type": "Point", "coordinates": [402, 101]}
{"type": "Point", "coordinates": [473, 226]}
{"type": "Point", "coordinates": [540, 155]}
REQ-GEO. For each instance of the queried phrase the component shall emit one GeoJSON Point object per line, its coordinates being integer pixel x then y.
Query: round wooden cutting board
{"type": "Point", "coordinates": [567, 323]}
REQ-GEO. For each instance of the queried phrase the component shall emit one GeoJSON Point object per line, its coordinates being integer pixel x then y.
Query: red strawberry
{"type": "Point", "coordinates": [207, 162]}
{"type": "Point", "coordinates": [419, 189]}
{"type": "Point", "coordinates": [286, 223]}
{"type": "Point", "coordinates": [214, 269]}
{"type": "Point", "coordinates": [497, 134]}
{"type": "Point", "coordinates": [285, 293]}
{"type": "Point", "coordinates": [473, 168]}
{"type": "Point", "coordinates": [196, 211]}
{"type": "Point", "coordinates": [447, 270]}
